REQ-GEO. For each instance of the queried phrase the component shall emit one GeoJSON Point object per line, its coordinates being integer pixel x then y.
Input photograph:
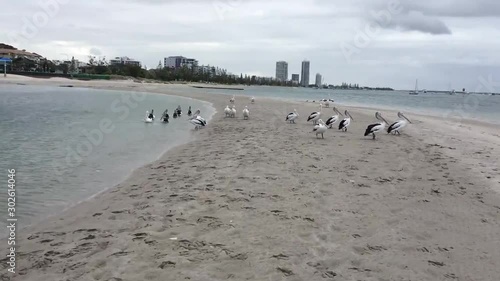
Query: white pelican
{"type": "Point", "coordinates": [227, 111]}
{"type": "Point", "coordinates": [326, 103]}
{"type": "Point", "coordinates": [320, 128]}
{"type": "Point", "coordinates": [332, 120]}
{"type": "Point", "coordinates": [233, 112]}
{"type": "Point", "coordinates": [398, 125]}
{"type": "Point", "coordinates": [232, 99]}
{"type": "Point", "coordinates": [148, 118]}
{"type": "Point", "coordinates": [198, 122]}
{"type": "Point", "coordinates": [246, 113]}
{"type": "Point", "coordinates": [345, 122]}
{"type": "Point", "coordinates": [252, 100]}
{"type": "Point", "coordinates": [377, 127]}
{"type": "Point", "coordinates": [315, 115]}
{"type": "Point", "coordinates": [292, 116]}
{"type": "Point", "coordinates": [189, 111]}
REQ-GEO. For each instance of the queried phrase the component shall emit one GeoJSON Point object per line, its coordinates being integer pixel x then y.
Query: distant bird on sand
{"type": "Point", "coordinates": [345, 122]}
{"type": "Point", "coordinates": [333, 119]}
{"type": "Point", "coordinates": [376, 127]}
{"type": "Point", "coordinates": [246, 113]}
{"type": "Point", "coordinates": [292, 116]}
{"type": "Point", "coordinates": [398, 125]}
{"type": "Point", "coordinates": [315, 115]}
{"type": "Point", "coordinates": [320, 128]}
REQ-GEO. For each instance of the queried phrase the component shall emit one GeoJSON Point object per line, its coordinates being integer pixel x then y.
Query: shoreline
{"type": "Point", "coordinates": [264, 199]}
{"type": "Point", "coordinates": [126, 176]}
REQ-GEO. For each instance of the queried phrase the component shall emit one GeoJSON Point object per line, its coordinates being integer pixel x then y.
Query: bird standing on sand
{"type": "Point", "coordinates": [320, 128]}
{"type": "Point", "coordinates": [292, 116]}
{"type": "Point", "coordinates": [233, 112]}
{"type": "Point", "coordinates": [227, 111]}
{"type": "Point", "coordinates": [246, 113]}
{"type": "Point", "coordinates": [345, 122]}
{"type": "Point", "coordinates": [398, 125]}
{"type": "Point", "coordinates": [315, 115]}
{"type": "Point", "coordinates": [332, 120]}
{"type": "Point", "coordinates": [376, 127]}
{"type": "Point", "coordinates": [232, 99]}
{"type": "Point", "coordinates": [189, 111]}
{"type": "Point", "coordinates": [252, 100]}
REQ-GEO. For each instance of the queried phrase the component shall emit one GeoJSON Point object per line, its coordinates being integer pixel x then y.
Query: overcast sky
{"type": "Point", "coordinates": [370, 42]}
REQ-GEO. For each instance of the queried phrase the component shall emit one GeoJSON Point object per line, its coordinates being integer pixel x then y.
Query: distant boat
{"type": "Point", "coordinates": [415, 92]}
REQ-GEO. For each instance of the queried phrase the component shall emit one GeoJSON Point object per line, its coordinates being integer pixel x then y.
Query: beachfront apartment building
{"type": "Point", "coordinates": [281, 71]}
{"type": "Point", "coordinates": [319, 79]}
{"type": "Point", "coordinates": [295, 79]}
{"type": "Point", "coordinates": [304, 82]}
{"type": "Point", "coordinates": [179, 62]}
{"type": "Point", "coordinates": [124, 61]}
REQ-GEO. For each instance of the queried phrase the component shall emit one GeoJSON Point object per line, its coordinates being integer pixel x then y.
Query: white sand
{"type": "Point", "coordinates": [265, 200]}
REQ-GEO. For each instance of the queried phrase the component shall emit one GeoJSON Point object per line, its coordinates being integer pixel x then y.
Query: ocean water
{"type": "Point", "coordinates": [67, 144]}
{"type": "Point", "coordinates": [479, 107]}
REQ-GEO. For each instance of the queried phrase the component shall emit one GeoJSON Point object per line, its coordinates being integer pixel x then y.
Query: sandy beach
{"type": "Point", "coordinates": [261, 199]}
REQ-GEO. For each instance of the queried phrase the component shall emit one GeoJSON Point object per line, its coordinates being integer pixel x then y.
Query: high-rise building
{"type": "Point", "coordinates": [282, 71]}
{"type": "Point", "coordinates": [304, 82]}
{"type": "Point", "coordinates": [318, 80]}
{"type": "Point", "coordinates": [295, 78]}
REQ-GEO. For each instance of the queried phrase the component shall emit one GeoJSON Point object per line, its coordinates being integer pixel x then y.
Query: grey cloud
{"type": "Point", "coordinates": [416, 21]}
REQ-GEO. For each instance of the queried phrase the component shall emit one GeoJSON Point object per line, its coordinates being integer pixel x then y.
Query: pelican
{"type": "Point", "coordinates": [165, 117]}
{"type": "Point", "coordinates": [147, 118]}
{"type": "Point", "coordinates": [398, 125]}
{"type": "Point", "coordinates": [175, 114]}
{"type": "Point", "coordinates": [246, 113]}
{"type": "Point", "coordinates": [345, 122]}
{"type": "Point", "coordinates": [292, 116]}
{"type": "Point", "coordinates": [315, 115]}
{"type": "Point", "coordinates": [152, 114]}
{"type": "Point", "coordinates": [252, 100]}
{"type": "Point", "coordinates": [189, 111]}
{"type": "Point", "coordinates": [327, 104]}
{"type": "Point", "coordinates": [227, 111]}
{"type": "Point", "coordinates": [232, 99]}
{"type": "Point", "coordinates": [332, 120]}
{"type": "Point", "coordinates": [376, 127]}
{"type": "Point", "coordinates": [198, 122]}
{"type": "Point", "coordinates": [233, 112]}
{"type": "Point", "coordinates": [179, 111]}
{"type": "Point", "coordinates": [320, 128]}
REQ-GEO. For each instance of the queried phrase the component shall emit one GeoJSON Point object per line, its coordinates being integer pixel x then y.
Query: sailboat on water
{"type": "Point", "coordinates": [415, 92]}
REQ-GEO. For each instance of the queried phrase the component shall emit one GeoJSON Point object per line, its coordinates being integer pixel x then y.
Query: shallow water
{"type": "Point", "coordinates": [479, 107]}
{"type": "Point", "coordinates": [68, 144]}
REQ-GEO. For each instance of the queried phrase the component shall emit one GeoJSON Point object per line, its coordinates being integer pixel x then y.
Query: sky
{"type": "Point", "coordinates": [445, 44]}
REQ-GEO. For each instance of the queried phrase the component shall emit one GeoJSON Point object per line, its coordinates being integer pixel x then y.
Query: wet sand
{"type": "Point", "coordinates": [261, 199]}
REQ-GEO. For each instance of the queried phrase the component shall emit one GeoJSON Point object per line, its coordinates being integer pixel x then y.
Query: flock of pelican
{"type": "Point", "coordinates": [321, 127]}
{"type": "Point", "coordinates": [231, 111]}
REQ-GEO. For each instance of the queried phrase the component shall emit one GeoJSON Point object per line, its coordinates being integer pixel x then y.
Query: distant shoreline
{"type": "Point", "coordinates": [218, 88]}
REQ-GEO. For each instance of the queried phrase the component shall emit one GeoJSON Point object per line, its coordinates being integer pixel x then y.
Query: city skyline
{"type": "Point", "coordinates": [241, 35]}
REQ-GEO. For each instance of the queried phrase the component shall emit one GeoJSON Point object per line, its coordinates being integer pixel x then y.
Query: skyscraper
{"type": "Point", "coordinates": [318, 80]}
{"type": "Point", "coordinates": [282, 71]}
{"type": "Point", "coordinates": [304, 82]}
{"type": "Point", "coordinates": [296, 78]}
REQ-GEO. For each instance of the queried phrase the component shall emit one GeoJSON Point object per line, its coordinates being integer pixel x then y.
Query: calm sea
{"type": "Point", "coordinates": [479, 107]}
{"type": "Point", "coordinates": [67, 144]}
